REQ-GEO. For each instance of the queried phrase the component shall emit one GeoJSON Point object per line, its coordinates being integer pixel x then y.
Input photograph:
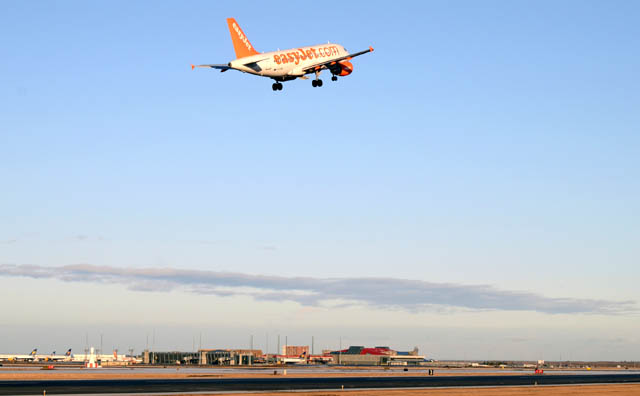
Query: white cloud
{"type": "Point", "coordinates": [381, 293]}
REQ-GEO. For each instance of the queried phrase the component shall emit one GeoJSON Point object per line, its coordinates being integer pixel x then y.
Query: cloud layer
{"type": "Point", "coordinates": [381, 293]}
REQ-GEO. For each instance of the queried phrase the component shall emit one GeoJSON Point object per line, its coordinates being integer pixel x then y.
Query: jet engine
{"type": "Point", "coordinates": [342, 68]}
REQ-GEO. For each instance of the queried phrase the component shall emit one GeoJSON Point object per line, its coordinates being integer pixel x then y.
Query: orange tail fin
{"type": "Point", "coordinates": [240, 41]}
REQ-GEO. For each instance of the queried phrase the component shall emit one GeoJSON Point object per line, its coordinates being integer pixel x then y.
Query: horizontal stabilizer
{"type": "Point", "coordinates": [222, 68]}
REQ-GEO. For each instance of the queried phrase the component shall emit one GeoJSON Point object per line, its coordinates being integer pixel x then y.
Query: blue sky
{"type": "Point", "coordinates": [482, 144]}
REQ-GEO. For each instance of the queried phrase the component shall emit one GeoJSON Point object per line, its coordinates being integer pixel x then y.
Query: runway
{"type": "Point", "coordinates": [57, 387]}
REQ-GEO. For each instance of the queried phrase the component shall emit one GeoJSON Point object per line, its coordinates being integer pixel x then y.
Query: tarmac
{"type": "Point", "coordinates": [551, 390]}
{"type": "Point", "coordinates": [182, 385]}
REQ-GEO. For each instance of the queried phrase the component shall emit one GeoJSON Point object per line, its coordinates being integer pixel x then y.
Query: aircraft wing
{"type": "Point", "coordinates": [222, 68]}
{"type": "Point", "coordinates": [326, 64]}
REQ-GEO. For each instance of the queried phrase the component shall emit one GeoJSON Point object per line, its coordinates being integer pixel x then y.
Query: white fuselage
{"type": "Point", "coordinates": [288, 63]}
{"type": "Point", "coordinates": [34, 358]}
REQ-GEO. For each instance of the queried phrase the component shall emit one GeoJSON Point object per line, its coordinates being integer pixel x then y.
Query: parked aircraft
{"type": "Point", "coordinates": [288, 64]}
{"type": "Point", "coordinates": [34, 357]}
{"type": "Point", "coordinates": [25, 358]}
{"type": "Point", "coordinates": [58, 358]}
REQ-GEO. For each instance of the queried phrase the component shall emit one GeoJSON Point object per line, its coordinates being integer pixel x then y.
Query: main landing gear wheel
{"type": "Point", "coordinates": [316, 83]}
{"type": "Point", "coordinates": [277, 86]}
{"type": "Point", "coordinates": [334, 78]}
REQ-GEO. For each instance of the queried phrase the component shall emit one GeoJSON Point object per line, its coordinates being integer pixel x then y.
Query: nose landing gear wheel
{"type": "Point", "coordinates": [314, 83]}
{"type": "Point", "coordinates": [334, 78]}
{"type": "Point", "coordinates": [277, 86]}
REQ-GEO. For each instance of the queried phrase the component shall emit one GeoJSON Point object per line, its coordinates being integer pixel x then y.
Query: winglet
{"type": "Point", "coordinates": [193, 67]}
{"type": "Point", "coordinates": [370, 48]}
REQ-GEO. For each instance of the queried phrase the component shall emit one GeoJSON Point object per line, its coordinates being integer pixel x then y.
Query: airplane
{"type": "Point", "coordinates": [292, 359]}
{"type": "Point", "coordinates": [288, 64]}
{"type": "Point", "coordinates": [34, 357]}
{"type": "Point", "coordinates": [30, 357]}
{"type": "Point", "coordinates": [57, 358]}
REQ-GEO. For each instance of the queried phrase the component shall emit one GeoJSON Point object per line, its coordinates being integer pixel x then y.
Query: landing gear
{"type": "Point", "coordinates": [317, 82]}
{"type": "Point", "coordinates": [334, 78]}
{"type": "Point", "coordinates": [276, 86]}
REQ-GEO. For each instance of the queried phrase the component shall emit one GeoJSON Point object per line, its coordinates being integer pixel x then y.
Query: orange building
{"type": "Point", "coordinates": [293, 350]}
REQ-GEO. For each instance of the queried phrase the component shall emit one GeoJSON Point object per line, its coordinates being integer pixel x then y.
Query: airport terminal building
{"type": "Point", "coordinates": [352, 356]}
{"type": "Point", "coordinates": [377, 356]}
{"type": "Point", "coordinates": [227, 357]}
